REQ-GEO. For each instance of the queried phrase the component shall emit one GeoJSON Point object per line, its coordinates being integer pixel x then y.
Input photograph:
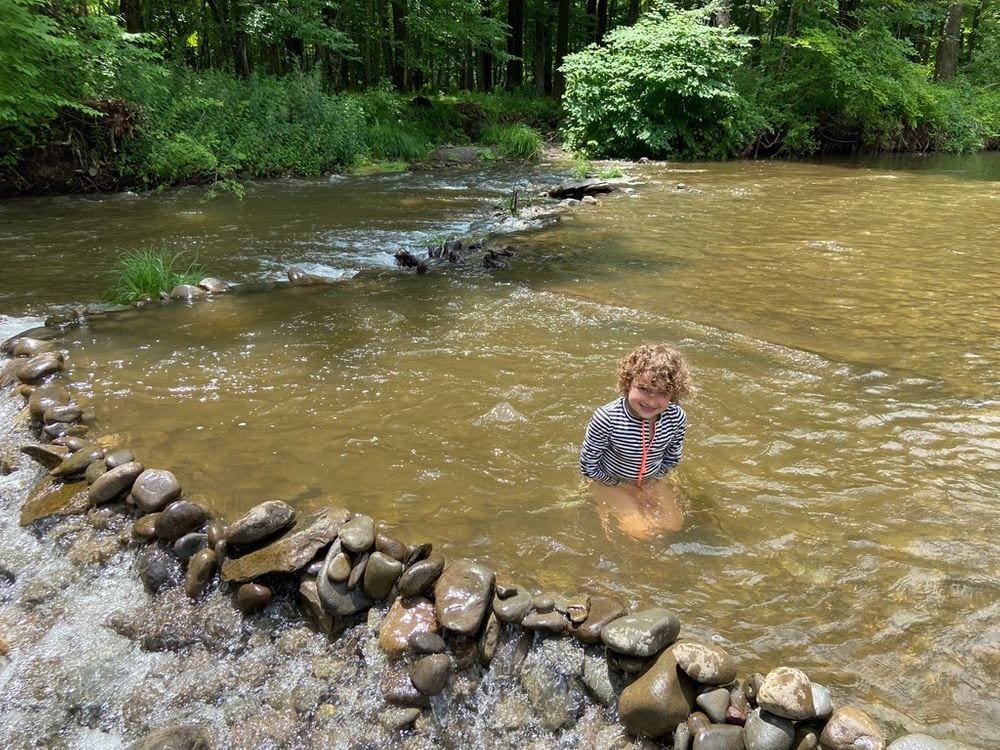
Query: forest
{"type": "Point", "coordinates": [144, 93]}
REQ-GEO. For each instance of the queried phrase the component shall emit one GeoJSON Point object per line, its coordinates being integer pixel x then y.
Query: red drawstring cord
{"type": "Point", "coordinates": [645, 447]}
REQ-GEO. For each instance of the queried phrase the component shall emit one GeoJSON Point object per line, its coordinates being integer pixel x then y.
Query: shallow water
{"type": "Point", "coordinates": [840, 473]}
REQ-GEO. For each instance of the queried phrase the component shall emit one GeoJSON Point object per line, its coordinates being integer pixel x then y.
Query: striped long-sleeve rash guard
{"type": "Point", "coordinates": [612, 447]}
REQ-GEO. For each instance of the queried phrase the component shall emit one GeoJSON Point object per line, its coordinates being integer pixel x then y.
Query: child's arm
{"type": "Point", "coordinates": [595, 444]}
{"type": "Point", "coordinates": [672, 453]}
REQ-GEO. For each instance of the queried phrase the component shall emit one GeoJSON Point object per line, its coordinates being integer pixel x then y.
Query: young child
{"type": "Point", "coordinates": [632, 442]}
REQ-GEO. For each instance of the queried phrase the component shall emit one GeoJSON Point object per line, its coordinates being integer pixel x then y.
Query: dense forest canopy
{"type": "Point", "coordinates": [619, 77]}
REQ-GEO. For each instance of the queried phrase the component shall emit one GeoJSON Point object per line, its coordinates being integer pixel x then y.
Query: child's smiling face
{"type": "Point", "coordinates": [645, 401]}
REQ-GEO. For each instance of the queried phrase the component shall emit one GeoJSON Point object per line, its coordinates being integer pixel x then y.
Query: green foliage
{"type": "Point", "coordinates": [513, 141]}
{"type": "Point", "coordinates": [582, 168]}
{"type": "Point", "coordinates": [397, 143]}
{"type": "Point", "coordinates": [146, 272]}
{"type": "Point", "coordinates": [32, 51]}
{"type": "Point", "coordinates": [661, 87]}
{"type": "Point", "coordinates": [221, 187]}
{"type": "Point", "coordinates": [214, 124]}
{"type": "Point", "coordinates": [830, 88]}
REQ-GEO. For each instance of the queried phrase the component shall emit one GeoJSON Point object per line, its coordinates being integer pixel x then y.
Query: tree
{"type": "Point", "coordinates": [661, 87]}
{"type": "Point", "coordinates": [946, 61]}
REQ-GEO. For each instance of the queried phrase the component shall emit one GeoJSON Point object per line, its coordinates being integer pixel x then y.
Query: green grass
{"type": "Point", "coordinates": [379, 167]}
{"type": "Point", "coordinates": [146, 272]}
{"type": "Point", "coordinates": [514, 141]}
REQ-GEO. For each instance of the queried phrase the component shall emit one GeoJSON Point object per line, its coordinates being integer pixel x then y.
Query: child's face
{"type": "Point", "coordinates": [645, 401]}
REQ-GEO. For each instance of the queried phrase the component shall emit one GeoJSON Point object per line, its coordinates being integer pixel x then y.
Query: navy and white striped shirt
{"type": "Point", "coordinates": [612, 447]}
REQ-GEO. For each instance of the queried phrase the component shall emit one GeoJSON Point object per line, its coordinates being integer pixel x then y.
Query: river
{"type": "Point", "coordinates": [842, 319]}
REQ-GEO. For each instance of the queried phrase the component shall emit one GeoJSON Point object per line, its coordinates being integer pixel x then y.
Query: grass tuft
{"type": "Point", "coordinates": [513, 141]}
{"type": "Point", "coordinates": [146, 272]}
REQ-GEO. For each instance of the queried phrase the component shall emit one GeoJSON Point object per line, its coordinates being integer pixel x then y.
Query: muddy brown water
{"type": "Point", "coordinates": [840, 476]}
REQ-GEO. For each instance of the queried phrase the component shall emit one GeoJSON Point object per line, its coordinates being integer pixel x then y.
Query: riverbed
{"type": "Point", "coordinates": [840, 473]}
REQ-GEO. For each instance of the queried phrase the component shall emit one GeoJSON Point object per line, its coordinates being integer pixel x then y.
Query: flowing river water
{"type": "Point", "coordinates": [842, 465]}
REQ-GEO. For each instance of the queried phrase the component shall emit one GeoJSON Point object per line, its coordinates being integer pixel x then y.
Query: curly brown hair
{"type": "Point", "coordinates": [667, 368]}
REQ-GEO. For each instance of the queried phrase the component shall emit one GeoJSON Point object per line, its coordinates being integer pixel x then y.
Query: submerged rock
{"type": "Point", "coordinates": [47, 455]}
{"type": "Point", "coordinates": [54, 498]}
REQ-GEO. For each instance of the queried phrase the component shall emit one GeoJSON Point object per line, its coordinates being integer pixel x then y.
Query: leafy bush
{"type": "Point", "coordinates": [661, 87]}
{"type": "Point", "coordinates": [146, 272]}
{"type": "Point", "coordinates": [513, 141]}
{"type": "Point", "coordinates": [258, 127]}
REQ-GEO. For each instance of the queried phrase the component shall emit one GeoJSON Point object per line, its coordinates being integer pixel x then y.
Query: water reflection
{"type": "Point", "coordinates": [840, 470]}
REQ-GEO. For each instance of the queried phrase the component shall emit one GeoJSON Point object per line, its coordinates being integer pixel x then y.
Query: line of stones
{"type": "Point", "coordinates": [661, 685]}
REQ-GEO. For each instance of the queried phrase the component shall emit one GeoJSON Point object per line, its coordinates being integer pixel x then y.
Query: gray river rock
{"type": "Point", "coordinates": [179, 518]}
{"type": "Point", "coordinates": [642, 633]}
{"type": "Point", "coordinates": [46, 396]}
{"type": "Point", "coordinates": [34, 369]}
{"type": "Point", "coordinates": [260, 522]}
{"type": "Point", "coordinates": [154, 489]}
{"type": "Point", "coordinates": [462, 595]}
{"type": "Point", "coordinates": [115, 482]}
{"type": "Point", "coordinates": [602, 610]}
{"type": "Point", "coordinates": [381, 574]}
{"type": "Point", "coordinates": [419, 577]}
{"type": "Point", "coordinates": [358, 534]}
{"type": "Point", "coordinates": [705, 663]}
{"type": "Point", "coordinates": [765, 731]}
{"type": "Point", "coordinates": [78, 462]}
{"type": "Point", "coordinates": [430, 673]}
{"type": "Point", "coordinates": [850, 728]}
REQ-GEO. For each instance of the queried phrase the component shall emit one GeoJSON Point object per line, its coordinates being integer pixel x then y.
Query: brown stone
{"type": "Point", "coordinates": [200, 570]}
{"type": "Point", "coordinates": [290, 553]}
{"type": "Point", "coordinates": [602, 611]}
{"type": "Point", "coordinates": [51, 497]}
{"type": "Point", "coordinates": [253, 597]}
{"type": "Point", "coordinates": [406, 618]}
{"type": "Point", "coordinates": [420, 576]}
{"type": "Point", "coordinates": [658, 699]}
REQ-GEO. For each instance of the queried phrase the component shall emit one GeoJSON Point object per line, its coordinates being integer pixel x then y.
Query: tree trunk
{"type": "Point", "coordinates": [723, 14]}
{"type": "Point", "coordinates": [591, 12]}
{"type": "Point", "coordinates": [398, 48]}
{"type": "Point", "coordinates": [946, 60]}
{"type": "Point", "coordinates": [970, 42]}
{"type": "Point", "coordinates": [515, 43]}
{"type": "Point", "coordinates": [633, 12]}
{"type": "Point", "coordinates": [848, 15]}
{"type": "Point", "coordinates": [602, 21]}
{"type": "Point", "coordinates": [131, 13]}
{"type": "Point", "coordinates": [486, 58]}
{"type": "Point", "coordinates": [540, 56]}
{"type": "Point", "coordinates": [562, 44]}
